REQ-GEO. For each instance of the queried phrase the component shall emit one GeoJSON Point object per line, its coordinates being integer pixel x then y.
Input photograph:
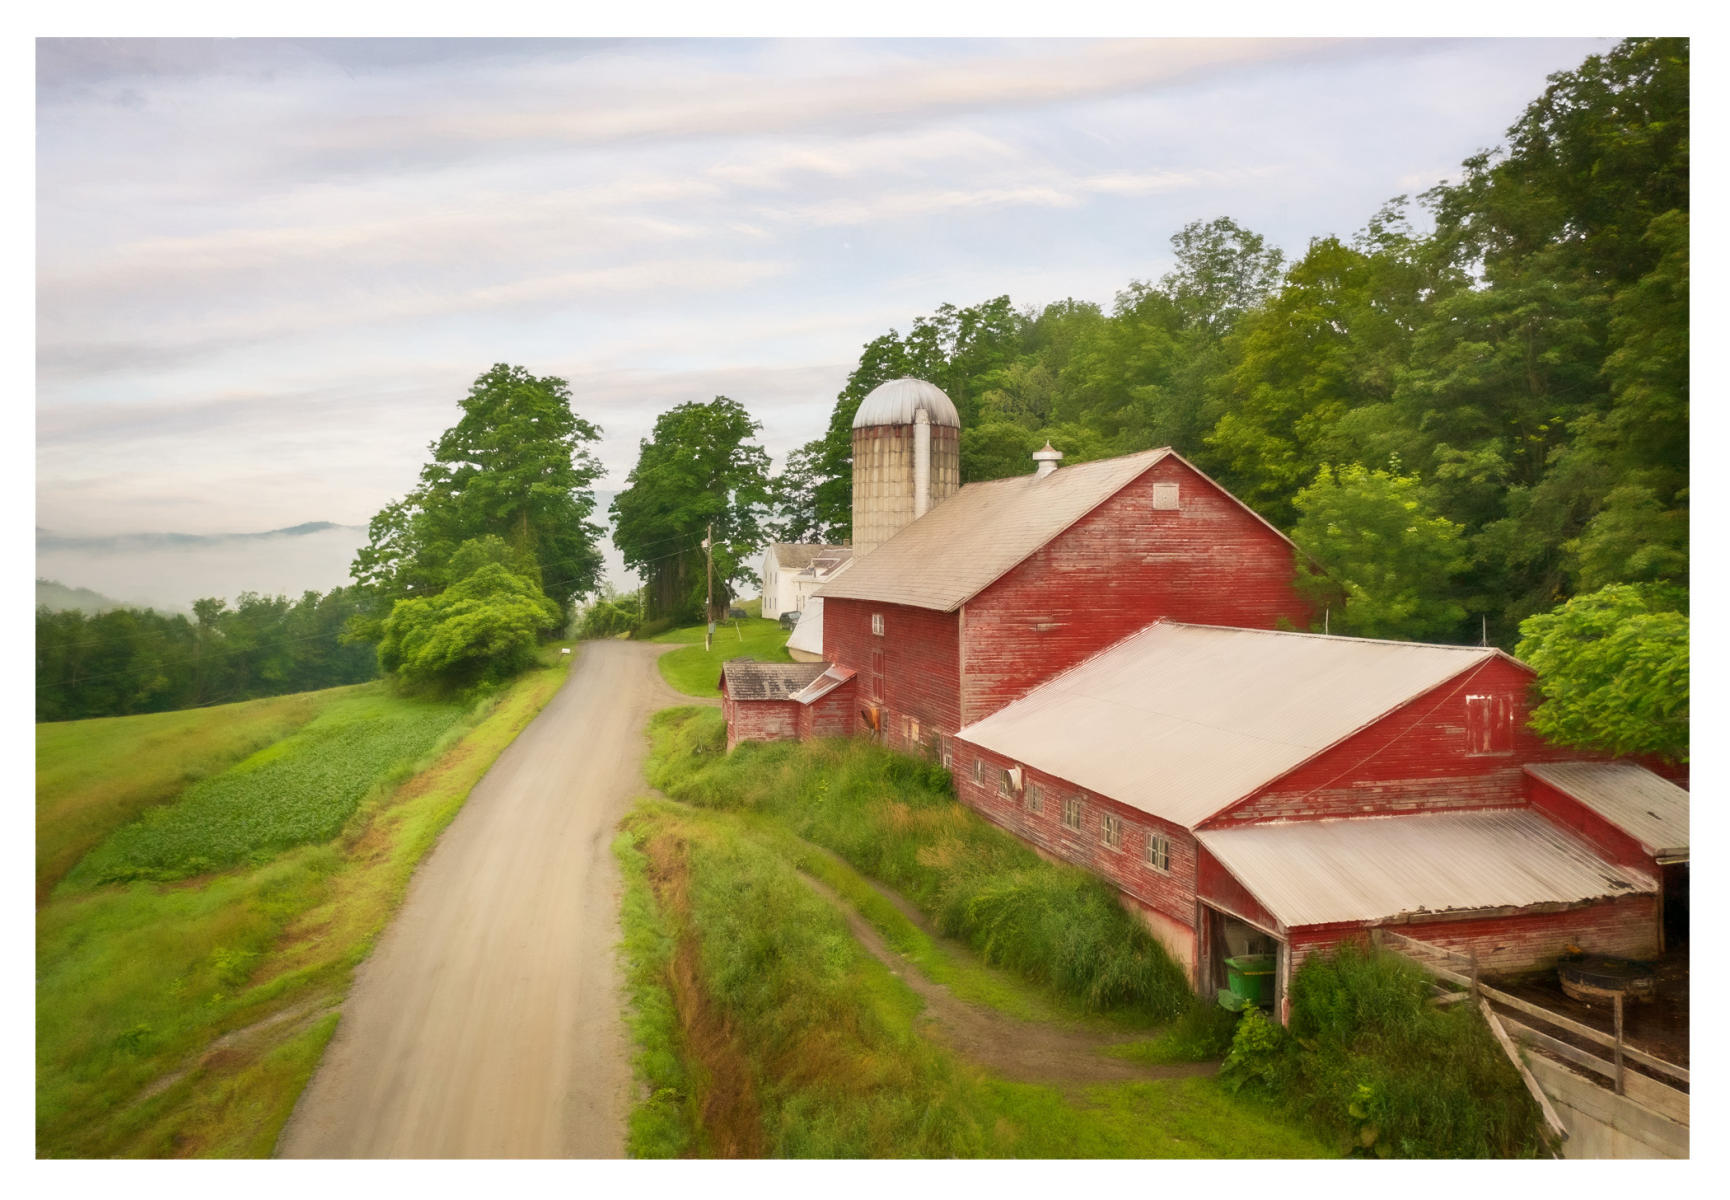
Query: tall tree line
{"type": "Point", "coordinates": [133, 660]}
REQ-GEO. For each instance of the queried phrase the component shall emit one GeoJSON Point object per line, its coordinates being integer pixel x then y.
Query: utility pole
{"type": "Point", "coordinates": [709, 594]}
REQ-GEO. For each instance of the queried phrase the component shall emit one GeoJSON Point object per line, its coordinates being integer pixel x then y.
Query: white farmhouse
{"type": "Point", "coordinates": [791, 572]}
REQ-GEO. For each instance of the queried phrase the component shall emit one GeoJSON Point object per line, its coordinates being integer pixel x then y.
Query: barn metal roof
{"type": "Point", "coordinates": [899, 402]}
{"type": "Point", "coordinates": [748, 679]}
{"type": "Point", "coordinates": [1181, 720]}
{"type": "Point", "coordinates": [808, 632]}
{"type": "Point", "coordinates": [969, 541]}
{"type": "Point", "coordinates": [1383, 868]}
{"type": "Point", "coordinates": [825, 683]}
{"type": "Point", "coordinates": [1647, 807]}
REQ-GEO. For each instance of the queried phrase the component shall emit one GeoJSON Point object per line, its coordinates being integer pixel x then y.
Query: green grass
{"type": "Point", "coordinates": [694, 671]}
{"type": "Point", "coordinates": [815, 1052]}
{"type": "Point", "coordinates": [94, 776]}
{"type": "Point", "coordinates": [895, 819]}
{"type": "Point", "coordinates": [137, 982]}
{"type": "Point", "coordinates": [295, 791]}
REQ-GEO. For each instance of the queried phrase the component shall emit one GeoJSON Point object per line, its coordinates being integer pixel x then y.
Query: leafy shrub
{"type": "Point", "coordinates": [1258, 1055]}
{"type": "Point", "coordinates": [895, 818]}
{"type": "Point", "coordinates": [482, 629]}
{"type": "Point", "coordinates": [612, 614]}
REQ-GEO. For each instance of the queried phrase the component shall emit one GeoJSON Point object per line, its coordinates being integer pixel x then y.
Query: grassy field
{"type": "Point", "coordinates": [895, 819]}
{"type": "Point", "coordinates": [763, 1028]}
{"type": "Point", "coordinates": [693, 671]}
{"type": "Point", "coordinates": [94, 776]}
{"type": "Point", "coordinates": [184, 1018]}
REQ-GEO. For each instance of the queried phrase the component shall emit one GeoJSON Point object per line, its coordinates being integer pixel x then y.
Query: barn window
{"type": "Point", "coordinates": [1165, 497]}
{"type": "Point", "coordinates": [1111, 831]}
{"type": "Point", "coordinates": [877, 624]}
{"type": "Point", "coordinates": [1035, 798]}
{"type": "Point", "coordinates": [1072, 813]}
{"type": "Point", "coordinates": [913, 729]}
{"type": "Point", "coordinates": [1158, 852]}
{"type": "Point", "coordinates": [979, 770]}
{"type": "Point", "coordinates": [1489, 725]}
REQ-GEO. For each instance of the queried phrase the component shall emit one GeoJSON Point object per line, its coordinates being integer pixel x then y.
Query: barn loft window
{"type": "Point", "coordinates": [1165, 497]}
{"type": "Point", "coordinates": [1035, 798]}
{"type": "Point", "coordinates": [1489, 725]}
{"type": "Point", "coordinates": [1158, 852]}
{"type": "Point", "coordinates": [1072, 813]}
{"type": "Point", "coordinates": [979, 770]}
{"type": "Point", "coordinates": [1111, 831]}
{"type": "Point", "coordinates": [877, 624]}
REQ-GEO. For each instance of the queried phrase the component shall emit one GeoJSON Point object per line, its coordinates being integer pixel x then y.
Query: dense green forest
{"type": "Point", "coordinates": [1465, 425]}
{"type": "Point", "coordinates": [133, 660]}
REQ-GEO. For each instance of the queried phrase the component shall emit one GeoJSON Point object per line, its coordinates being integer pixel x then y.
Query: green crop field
{"type": "Point", "coordinates": [693, 670]}
{"type": "Point", "coordinates": [297, 790]}
{"type": "Point", "coordinates": [183, 1018]}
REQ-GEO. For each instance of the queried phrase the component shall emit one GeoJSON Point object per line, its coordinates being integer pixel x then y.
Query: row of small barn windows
{"type": "Point", "coordinates": [1157, 849]}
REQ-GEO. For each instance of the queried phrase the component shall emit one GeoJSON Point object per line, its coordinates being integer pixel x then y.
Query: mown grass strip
{"type": "Point", "coordinates": [693, 670]}
{"type": "Point", "coordinates": [138, 984]}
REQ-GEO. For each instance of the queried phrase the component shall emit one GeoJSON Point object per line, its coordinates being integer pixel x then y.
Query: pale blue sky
{"type": "Point", "coordinates": [267, 270]}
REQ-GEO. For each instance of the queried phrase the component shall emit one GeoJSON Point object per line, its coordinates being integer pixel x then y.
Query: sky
{"type": "Point", "coordinates": [267, 270]}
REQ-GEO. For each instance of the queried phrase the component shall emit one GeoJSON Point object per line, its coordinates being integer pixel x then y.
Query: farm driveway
{"type": "Point", "coordinates": [486, 1023]}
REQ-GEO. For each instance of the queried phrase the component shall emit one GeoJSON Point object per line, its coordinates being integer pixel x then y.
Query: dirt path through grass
{"type": "Point", "coordinates": [1023, 1051]}
{"type": "Point", "coordinates": [487, 1022]}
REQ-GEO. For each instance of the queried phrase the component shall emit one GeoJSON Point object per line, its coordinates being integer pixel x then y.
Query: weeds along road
{"type": "Point", "coordinates": [487, 1021]}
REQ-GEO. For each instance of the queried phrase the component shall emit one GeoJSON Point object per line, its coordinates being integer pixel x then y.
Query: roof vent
{"type": "Point", "coordinates": [1047, 460]}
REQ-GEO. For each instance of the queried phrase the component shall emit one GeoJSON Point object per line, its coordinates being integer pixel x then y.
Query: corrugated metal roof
{"type": "Point", "coordinates": [748, 679]}
{"type": "Point", "coordinates": [808, 632]}
{"type": "Point", "coordinates": [825, 683]}
{"type": "Point", "coordinates": [966, 543]}
{"type": "Point", "coordinates": [899, 402]}
{"type": "Point", "coordinates": [1647, 807]}
{"type": "Point", "coordinates": [1182, 720]}
{"type": "Point", "coordinates": [799, 555]}
{"type": "Point", "coordinates": [1379, 868]}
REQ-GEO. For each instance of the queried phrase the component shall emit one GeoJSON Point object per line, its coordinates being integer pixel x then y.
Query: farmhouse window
{"type": "Point", "coordinates": [979, 770]}
{"type": "Point", "coordinates": [1035, 798]}
{"type": "Point", "coordinates": [1072, 813]}
{"type": "Point", "coordinates": [1158, 852]}
{"type": "Point", "coordinates": [877, 624]}
{"type": "Point", "coordinates": [1111, 831]}
{"type": "Point", "coordinates": [1165, 497]}
{"type": "Point", "coordinates": [1005, 783]}
{"type": "Point", "coordinates": [1489, 725]}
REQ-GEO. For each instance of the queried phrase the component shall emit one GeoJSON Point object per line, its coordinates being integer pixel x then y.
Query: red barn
{"type": "Point", "coordinates": [1009, 582]}
{"type": "Point", "coordinates": [767, 702]}
{"type": "Point", "coordinates": [1249, 790]}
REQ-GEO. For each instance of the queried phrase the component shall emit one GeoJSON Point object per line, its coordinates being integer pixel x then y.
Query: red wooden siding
{"type": "Point", "coordinates": [1219, 887]}
{"type": "Point", "coordinates": [831, 716]}
{"type": "Point", "coordinates": [1119, 568]}
{"type": "Point", "coordinates": [1170, 893]}
{"type": "Point", "coordinates": [1569, 813]}
{"type": "Point", "coordinates": [920, 663]}
{"type": "Point", "coordinates": [1417, 758]}
{"type": "Point", "coordinates": [759, 720]}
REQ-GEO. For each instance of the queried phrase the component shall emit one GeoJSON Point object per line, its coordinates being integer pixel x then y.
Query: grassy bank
{"type": "Point", "coordinates": [184, 1018]}
{"type": "Point", "coordinates": [94, 776]}
{"type": "Point", "coordinates": [894, 819]}
{"type": "Point", "coordinates": [763, 1028]}
{"type": "Point", "coordinates": [693, 670]}
{"type": "Point", "coordinates": [1371, 1063]}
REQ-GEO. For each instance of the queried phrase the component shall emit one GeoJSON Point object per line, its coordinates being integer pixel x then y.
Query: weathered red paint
{"type": "Point", "coordinates": [920, 675]}
{"type": "Point", "coordinates": [758, 720]}
{"type": "Point", "coordinates": [1606, 838]}
{"type": "Point", "coordinates": [830, 716]}
{"type": "Point", "coordinates": [1415, 759]}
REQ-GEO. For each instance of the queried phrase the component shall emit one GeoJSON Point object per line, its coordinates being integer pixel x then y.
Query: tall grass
{"type": "Point", "coordinates": [1374, 1064]}
{"type": "Point", "coordinates": [296, 791]}
{"type": "Point", "coordinates": [894, 818]}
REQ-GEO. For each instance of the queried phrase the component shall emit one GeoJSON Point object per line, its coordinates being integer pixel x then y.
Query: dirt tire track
{"type": "Point", "coordinates": [1022, 1051]}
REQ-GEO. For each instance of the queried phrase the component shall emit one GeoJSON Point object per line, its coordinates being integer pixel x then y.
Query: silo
{"type": "Point", "coordinates": [906, 458]}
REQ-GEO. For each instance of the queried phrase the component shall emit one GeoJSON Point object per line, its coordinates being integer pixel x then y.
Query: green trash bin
{"type": "Point", "coordinates": [1251, 976]}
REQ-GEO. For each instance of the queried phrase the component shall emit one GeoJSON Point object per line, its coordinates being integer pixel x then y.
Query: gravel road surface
{"type": "Point", "coordinates": [486, 1023]}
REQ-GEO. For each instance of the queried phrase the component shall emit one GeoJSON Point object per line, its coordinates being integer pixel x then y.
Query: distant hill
{"type": "Point", "coordinates": [47, 539]}
{"type": "Point", "coordinates": [61, 598]}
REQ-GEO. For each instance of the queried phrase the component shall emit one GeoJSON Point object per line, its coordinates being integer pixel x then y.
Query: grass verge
{"type": "Point", "coordinates": [183, 1019]}
{"type": "Point", "coordinates": [794, 1042]}
{"type": "Point", "coordinates": [693, 670]}
{"type": "Point", "coordinates": [895, 819]}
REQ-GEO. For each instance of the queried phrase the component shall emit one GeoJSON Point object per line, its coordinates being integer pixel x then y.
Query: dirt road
{"type": "Point", "coordinates": [486, 1023]}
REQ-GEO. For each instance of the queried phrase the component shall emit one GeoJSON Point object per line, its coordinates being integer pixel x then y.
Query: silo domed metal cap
{"type": "Point", "coordinates": [900, 401]}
